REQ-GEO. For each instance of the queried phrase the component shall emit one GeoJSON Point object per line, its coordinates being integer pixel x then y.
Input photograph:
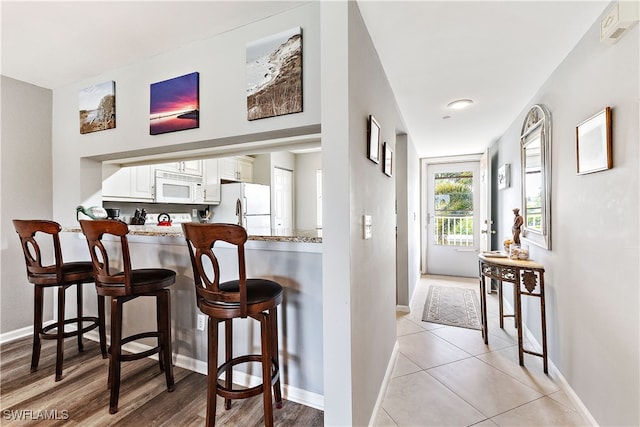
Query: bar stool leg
{"type": "Point", "coordinates": [266, 370]}
{"type": "Point", "coordinates": [228, 345]}
{"type": "Point", "coordinates": [37, 326]}
{"type": "Point", "coordinates": [60, 333]}
{"type": "Point", "coordinates": [116, 350]}
{"type": "Point", "coordinates": [79, 314]}
{"type": "Point", "coordinates": [164, 325]}
{"type": "Point", "coordinates": [273, 321]}
{"type": "Point", "coordinates": [101, 327]}
{"type": "Point", "coordinates": [212, 372]}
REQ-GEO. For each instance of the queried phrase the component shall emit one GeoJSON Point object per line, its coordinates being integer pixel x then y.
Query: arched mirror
{"type": "Point", "coordinates": [535, 158]}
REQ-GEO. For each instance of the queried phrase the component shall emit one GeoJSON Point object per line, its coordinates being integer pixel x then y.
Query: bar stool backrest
{"type": "Point", "coordinates": [200, 239]}
{"type": "Point", "coordinates": [36, 271]}
{"type": "Point", "coordinates": [108, 279]}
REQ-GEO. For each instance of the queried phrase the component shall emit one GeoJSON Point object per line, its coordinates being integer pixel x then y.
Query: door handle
{"type": "Point", "coordinates": [487, 231]}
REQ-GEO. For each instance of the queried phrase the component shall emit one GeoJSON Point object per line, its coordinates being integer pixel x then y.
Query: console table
{"type": "Point", "coordinates": [528, 280]}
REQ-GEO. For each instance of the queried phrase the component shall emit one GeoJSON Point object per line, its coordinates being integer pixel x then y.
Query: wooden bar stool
{"type": "Point", "coordinates": [60, 275]}
{"type": "Point", "coordinates": [223, 302]}
{"type": "Point", "coordinates": [125, 284]}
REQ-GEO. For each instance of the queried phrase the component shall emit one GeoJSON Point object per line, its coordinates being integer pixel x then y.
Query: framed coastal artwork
{"type": "Point", "coordinates": [274, 75]}
{"type": "Point", "coordinates": [97, 106]}
{"type": "Point", "coordinates": [175, 104]}
{"type": "Point", "coordinates": [593, 143]}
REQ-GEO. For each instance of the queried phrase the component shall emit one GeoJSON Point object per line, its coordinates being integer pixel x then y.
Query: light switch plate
{"type": "Point", "coordinates": [201, 322]}
{"type": "Point", "coordinates": [367, 226]}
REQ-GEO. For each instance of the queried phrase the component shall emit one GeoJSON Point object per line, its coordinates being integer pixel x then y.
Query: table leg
{"type": "Point", "coordinates": [544, 325]}
{"type": "Point", "coordinates": [500, 304]}
{"type": "Point", "coordinates": [518, 317]}
{"type": "Point", "coordinates": [483, 305]}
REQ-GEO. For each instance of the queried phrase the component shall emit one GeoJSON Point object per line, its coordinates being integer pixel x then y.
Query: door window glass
{"type": "Point", "coordinates": [453, 202]}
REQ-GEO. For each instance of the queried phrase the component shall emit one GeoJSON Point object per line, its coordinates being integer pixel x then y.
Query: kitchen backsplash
{"type": "Point", "coordinates": [127, 209]}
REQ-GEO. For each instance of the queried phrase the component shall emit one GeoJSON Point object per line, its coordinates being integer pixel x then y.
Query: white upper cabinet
{"type": "Point", "coordinates": [130, 184]}
{"type": "Point", "coordinates": [236, 169]}
{"type": "Point", "coordinates": [191, 167]}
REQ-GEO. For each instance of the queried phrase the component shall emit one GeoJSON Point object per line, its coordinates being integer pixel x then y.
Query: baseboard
{"type": "Point", "coordinates": [291, 393]}
{"type": "Point", "coordinates": [27, 331]}
{"type": "Point", "coordinates": [564, 385]}
{"type": "Point", "coordinates": [403, 309]}
{"type": "Point", "coordinates": [385, 382]}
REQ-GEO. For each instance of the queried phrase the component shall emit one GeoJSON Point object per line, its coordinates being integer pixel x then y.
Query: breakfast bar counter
{"type": "Point", "coordinates": [297, 236]}
{"type": "Point", "coordinates": [293, 261]}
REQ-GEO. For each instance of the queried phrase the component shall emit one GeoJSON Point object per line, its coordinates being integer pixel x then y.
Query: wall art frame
{"type": "Point", "coordinates": [373, 140]}
{"type": "Point", "coordinates": [274, 75]}
{"type": "Point", "coordinates": [175, 104]}
{"type": "Point", "coordinates": [594, 144]}
{"type": "Point", "coordinates": [504, 176]}
{"type": "Point", "coordinates": [387, 160]}
{"type": "Point", "coordinates": [97, 107]}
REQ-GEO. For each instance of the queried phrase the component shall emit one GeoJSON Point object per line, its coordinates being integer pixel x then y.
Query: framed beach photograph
{"type": "Point", "coordinates": [175, 104]}
{"type": "Point", "coordinates": [274, 75]}
{"type": "Point", "coordinates": [97, 106]}
{"type": "Point", "coordinates": [387, 160]}
{"type": "Point", "coordinates": [593, 143]}
{"type": "Point", "coordinates": [373, 140]}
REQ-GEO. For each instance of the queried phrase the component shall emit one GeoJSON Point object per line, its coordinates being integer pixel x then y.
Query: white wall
{"type": "Point", "coordinates": [592, 294]}
{"type": "Point", "coordinates": [221, 64]}
{"type": "Point", "coordinates": [26, 192]}
{"type": "Point", "coordinates": [336, 257]}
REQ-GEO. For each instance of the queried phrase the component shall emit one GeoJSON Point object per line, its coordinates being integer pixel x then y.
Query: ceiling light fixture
{"type": "Point", "coordinates": [459, 104]}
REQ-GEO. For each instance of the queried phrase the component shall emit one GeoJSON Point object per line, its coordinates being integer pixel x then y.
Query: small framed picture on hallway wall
{"type": "Point", "coordinates": [373, 140]}
{"type": "Point", "coordinates": [387, 159]}
{"type": "Point", "coordinates": [593, 143]}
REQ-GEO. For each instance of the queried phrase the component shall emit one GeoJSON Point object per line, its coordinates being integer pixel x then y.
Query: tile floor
{"type": "Point", "coordinates": [447, 376]}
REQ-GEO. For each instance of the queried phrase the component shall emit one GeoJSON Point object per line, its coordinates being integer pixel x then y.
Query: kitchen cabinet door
{"type": "Point", "coordinates": [245, 170]}
{"type": "Point", "coordinates": [236, 169]}
{"type": "Point", "coordinates": [191, 167]}
{"type": "Point", "coordinates": [142, 182]}
{"type": "Point", "coordinates": [127, 183]}
{"type": "Point", "coordinates": [211, 175]}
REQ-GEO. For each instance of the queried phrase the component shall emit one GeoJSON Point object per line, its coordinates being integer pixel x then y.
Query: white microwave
{"type": "Point", "coordinates": [178, 188]}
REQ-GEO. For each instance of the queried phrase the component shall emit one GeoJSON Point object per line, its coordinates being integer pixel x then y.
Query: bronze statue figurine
{"type": "Point", "coordinates": [517, 223]}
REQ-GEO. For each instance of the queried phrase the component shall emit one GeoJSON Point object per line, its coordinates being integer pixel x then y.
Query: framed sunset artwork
{"type": "Point", "coordinates": [175, 104]}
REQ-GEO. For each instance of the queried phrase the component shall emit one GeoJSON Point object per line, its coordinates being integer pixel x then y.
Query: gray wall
{"type": "Point", "coordinates": [360, 275]}
{"type": "Point", "coordinates": [407, 171]}
{"type": "Point", "coordinates": [25, 179]}
{"type": "Point", "coordinates": [592, 270]}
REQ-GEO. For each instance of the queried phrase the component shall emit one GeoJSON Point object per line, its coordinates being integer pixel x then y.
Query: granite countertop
{"type": "Point", "coordinates": [300, 236]}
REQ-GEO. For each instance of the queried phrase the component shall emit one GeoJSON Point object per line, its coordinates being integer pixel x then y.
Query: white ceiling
{"type": "Point", "coordinates": [433, 52]}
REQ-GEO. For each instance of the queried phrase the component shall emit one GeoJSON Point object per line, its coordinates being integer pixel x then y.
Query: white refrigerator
{"type": "Point", "coordinates": [246, 204]}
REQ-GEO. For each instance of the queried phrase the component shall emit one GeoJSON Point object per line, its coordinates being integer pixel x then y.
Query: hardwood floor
{"type": "Point", "coordinates": [81, 398]}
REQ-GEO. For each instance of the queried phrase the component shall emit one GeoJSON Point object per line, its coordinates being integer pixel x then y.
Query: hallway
{"type": "Point", "coordinates": [447, 376]}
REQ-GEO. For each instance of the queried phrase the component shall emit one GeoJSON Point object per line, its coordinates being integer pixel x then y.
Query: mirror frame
{"type": "Point", "coordinates": [537, 120]}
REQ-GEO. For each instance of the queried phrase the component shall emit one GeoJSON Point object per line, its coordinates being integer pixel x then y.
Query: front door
{"type": "Point", "coordinates": [453, 213]}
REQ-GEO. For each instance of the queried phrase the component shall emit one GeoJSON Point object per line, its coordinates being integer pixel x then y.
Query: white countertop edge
{"type": "Point", "coordinates": [283, 246]}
